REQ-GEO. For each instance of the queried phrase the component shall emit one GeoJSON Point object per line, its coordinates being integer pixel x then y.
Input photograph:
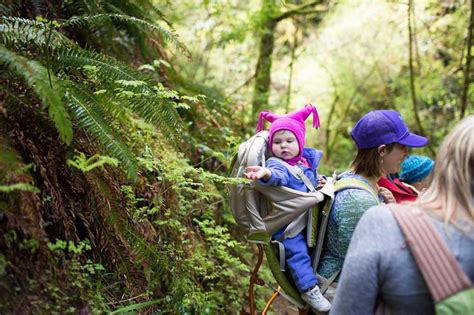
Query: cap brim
{"type": "Point", "coordinates": [413, 140]}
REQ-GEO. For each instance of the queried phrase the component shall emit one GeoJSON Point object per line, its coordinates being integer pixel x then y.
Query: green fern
{"type": "Point", "coordinates": [36, 77]}
{"type": "Point", "coordinates": [160, 111]}
{"type": "Point", "coordinates": [19, 32]}
{"type": "Point", "coordinates": [18, 186]}
{"type": "Point", "coordinates": [81, 162]}
{"type": "Point", "coordinates": [79, 21]}
{"type": "Point", "coordinates": [150, 103]}
{"type": "Point", "coordinates": [110, 69]}
{"type": "Point", "coordinates": [88, 112]}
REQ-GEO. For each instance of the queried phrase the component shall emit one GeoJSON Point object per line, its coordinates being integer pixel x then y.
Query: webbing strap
{"type": "Point", "coordinates": [296, 172]}
{"type": "Point", "coordinates": [439, 268]}
{"type": "Point", "coordinates": [350, 182]}
{"type": "Point", "coordinates": [281, 253]}
{"type": "Point", "coordinates": [329, 281]}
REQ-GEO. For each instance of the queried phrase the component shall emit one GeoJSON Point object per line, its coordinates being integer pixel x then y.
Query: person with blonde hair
{"type": "Point", "coordinates": [379, 268]}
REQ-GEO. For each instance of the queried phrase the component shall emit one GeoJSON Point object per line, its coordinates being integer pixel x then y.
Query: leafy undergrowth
{"type": "Point", "coordinates": [90, 240]}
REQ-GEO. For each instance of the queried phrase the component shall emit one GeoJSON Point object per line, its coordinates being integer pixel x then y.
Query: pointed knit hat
{"type": "Point", "coordinates": [294, 122]}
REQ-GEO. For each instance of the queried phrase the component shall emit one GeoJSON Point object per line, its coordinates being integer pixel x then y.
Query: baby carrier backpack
{"type": "Point", "coordinates": [450, 287]}
{"type": "Point", "coordinates": [260, 211]}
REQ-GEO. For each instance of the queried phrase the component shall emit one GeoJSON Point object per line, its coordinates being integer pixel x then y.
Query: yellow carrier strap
{"type": "Point", "coordinates": [346, 183]}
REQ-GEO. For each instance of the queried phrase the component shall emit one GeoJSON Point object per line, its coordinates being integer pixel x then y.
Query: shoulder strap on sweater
{"type": "Point", "coordinates": [439, 268]}
{"type": "Point", "coordinates": [296, 172]}
{"type": "Point", "coordinates": [350, 182]}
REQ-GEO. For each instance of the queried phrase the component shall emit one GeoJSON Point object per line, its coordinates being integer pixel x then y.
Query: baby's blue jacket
{"type": "Point", "coordinates": [281, 176]}
{"type": "Point", "coordinates": [296, 250]}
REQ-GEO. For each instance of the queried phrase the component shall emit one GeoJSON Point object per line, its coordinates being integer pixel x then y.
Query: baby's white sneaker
{"type": "Point", "coordinates": [316, 300]}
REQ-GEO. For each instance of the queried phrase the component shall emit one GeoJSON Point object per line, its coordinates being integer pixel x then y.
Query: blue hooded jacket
{"type": "Point", "coordinates": [281, 176]}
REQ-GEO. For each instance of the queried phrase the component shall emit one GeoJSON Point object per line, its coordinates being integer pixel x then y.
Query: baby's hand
{"type": "Point", "coordinates": [321, 181]}
{"type": "Point", "coordinates": [387, 195]}
{"type": "Point", "coordinates": [257, 172]}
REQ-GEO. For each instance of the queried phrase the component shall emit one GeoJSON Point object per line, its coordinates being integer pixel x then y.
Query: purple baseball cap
{"type": "Point", "coordinates": [379, 127]}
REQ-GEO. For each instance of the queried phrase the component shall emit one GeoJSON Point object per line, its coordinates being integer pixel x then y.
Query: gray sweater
{"type": "Point", "coordinates": [378, 264]}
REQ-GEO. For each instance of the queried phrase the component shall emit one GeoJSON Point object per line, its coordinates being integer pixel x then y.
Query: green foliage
{"type": "Point", "coordinates": [196, 285]}
{"type": "Point", "coordinates": [19, 32]}
{"type": "Point", "coordinates": [119, 83]}
{"type": "Point", "coordinates": [30, 245]}
{"type": "Point", "coordinates": [86, 109]}
{"type": "Point", "coordinates": [79, 272]}
{"type": "Point", "coordinates": [99, 18]}
{"type": "Point", "coordinates": [85, 164]}
{"type": "Point", "coordinates": [36, 77]}
{"type": "Point", "coordinates": [19, 186]}
{"type": "Point", "coordinates": [141, 99]}
{"type": "Point", "coordinates": [61, 247]}
{"type": "Point", "coordinates": [136, 306]}
{"type": "Point", "coordinates": [3, 264]}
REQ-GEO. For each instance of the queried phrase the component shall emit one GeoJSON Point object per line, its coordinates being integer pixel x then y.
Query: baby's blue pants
{"type": "Point", "coordinates": [298, 260]}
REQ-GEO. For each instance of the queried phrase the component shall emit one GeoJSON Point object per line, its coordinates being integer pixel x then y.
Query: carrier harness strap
{"type": "Point", "coordinates": [329, 281]}
{"type": "Point", "coordinates": [346, 183]}
{"type": "Point", "coordinates": [296, 172]}
{"type": "Point", "coordinates": [439, 268]}
{"type": "Point", "coordinates": [281, 252]}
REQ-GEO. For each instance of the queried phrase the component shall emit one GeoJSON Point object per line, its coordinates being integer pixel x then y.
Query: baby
{"type": "Point", "coordinates": [286, 139]}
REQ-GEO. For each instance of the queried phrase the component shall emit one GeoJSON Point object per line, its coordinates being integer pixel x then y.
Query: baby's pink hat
{"type": "Point", "coordinates": [293, 122]}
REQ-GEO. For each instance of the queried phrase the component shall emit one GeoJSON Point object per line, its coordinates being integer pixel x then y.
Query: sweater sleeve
{"type": "Point", "coordinates": [359, 282]}
{"type": "Point", "coordinates": [279, 177]}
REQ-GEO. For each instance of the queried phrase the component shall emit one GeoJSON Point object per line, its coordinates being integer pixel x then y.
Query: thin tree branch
{"type": "Point", "coordinates": [243, 84]}
{"type": "Point", "coordinates": [349, 104]}
{"type": "Point", "coordinates": [308, 12]}
{"type": "Point", "coordinates": [467, 68]}
{"type": "Point", "coordinates": [412, 75]}
{"type": "Point", "coordinates": [296, 10]}
{"type": "Point", "coordinates": [328, 124]}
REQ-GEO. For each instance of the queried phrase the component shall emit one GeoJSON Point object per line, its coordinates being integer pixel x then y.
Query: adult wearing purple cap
{"type": "Point", "coordinates": [382, 138]}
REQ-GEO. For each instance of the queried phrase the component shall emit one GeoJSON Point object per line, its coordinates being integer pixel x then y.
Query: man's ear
{"type": "Point", "coordinates": [381, 149]}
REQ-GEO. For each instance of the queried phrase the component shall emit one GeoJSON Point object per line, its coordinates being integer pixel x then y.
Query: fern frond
{"type": "Point", "coordinates": [149, 104]}
{"type": "Point", "coordinates": [137, 9]}
{"type": "Point", "coordinates": [110, 69]}
{"type": "Point", "coordinates": [36, 77]}
{"type": "Point", "coordinates": [161, 112]}
{"type": "Point", "coordinates": [19, 32]}
{"type": "Point", "coordinates": [168, 35]}
{"type": "Point", "coordinates": [18, 186]}
{"type": "Point", "coordinates": [87, 111]}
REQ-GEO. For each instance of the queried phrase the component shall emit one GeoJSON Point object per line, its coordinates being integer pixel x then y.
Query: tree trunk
{"type": "Point", "coordinates": [261, 91]}
{"type": "Point", "coordinates": [264, 66]}
{"type": "Point", "coordinates": [467, 68]}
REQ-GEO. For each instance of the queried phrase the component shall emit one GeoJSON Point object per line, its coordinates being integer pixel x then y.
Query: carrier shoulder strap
{"type": "Point", "coordinates": [350, 182]}
{"type": "Point", "coordinates": [439, 268]}
{"type": "Point", "coordinates": [296, 172]}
